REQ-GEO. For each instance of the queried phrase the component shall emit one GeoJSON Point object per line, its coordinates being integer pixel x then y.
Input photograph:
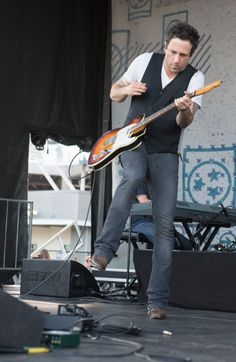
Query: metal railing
{"type": "Point", "coordinates": [15, 233]}
{"type": "Point", "coordinates": [58, 237]}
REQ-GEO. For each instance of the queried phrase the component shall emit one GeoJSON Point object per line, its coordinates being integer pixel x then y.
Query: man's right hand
{"type": "Point", "coordinates": [121, 90]}
{"type": "Point", "coordinates": [136, 89]}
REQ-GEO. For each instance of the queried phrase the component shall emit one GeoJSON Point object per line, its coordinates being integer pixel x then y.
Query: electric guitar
{"type": "Point", "coordinates": [118, 140]}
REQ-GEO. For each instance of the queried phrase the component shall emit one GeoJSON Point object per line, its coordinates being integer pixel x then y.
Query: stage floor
{"type": "Point", "coordinates": [192, 335]}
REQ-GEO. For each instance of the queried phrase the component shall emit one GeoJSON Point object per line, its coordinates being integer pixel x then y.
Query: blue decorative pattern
{"type": "Point", "coordinates": [209, 175]}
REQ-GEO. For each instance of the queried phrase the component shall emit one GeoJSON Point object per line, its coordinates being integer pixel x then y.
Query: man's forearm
{"type": "Point", "coordinates": [122, 89]}
{"type": "Point", "coordinates": [118, 92]}
{"type": "Point", "coordinates": [185, 117]}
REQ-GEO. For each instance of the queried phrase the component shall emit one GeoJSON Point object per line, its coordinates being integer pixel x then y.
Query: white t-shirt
{"type": "Point", "coordinates": [137, 68]}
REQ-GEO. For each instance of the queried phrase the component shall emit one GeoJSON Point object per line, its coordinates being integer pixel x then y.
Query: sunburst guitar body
{"type": "Point", "coordinates": [114, 142]}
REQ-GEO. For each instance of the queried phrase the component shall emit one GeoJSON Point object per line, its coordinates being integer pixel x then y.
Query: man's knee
{"type": "Point", "coordinates": [134, 180]}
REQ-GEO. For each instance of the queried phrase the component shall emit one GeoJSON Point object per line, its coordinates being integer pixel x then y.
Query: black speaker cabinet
{"type": "Point", "coordinates": [21, 325]}
{"type": "Point", "coordinates": [199, 280]}
{"type": "Point", "coordinates": [57, 278]}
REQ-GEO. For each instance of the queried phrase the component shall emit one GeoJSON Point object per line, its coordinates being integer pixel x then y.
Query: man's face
{"type": "Point", "coordinates": [177, 56]}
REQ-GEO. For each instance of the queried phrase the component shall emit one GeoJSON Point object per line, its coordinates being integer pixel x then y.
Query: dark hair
{"type": "Point", "coordinates": [44, 254]}
{"type": "Point", "coordinates": [184, 31]}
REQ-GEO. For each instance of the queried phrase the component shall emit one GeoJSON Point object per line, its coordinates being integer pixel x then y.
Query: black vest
{"type": "Point", "coordinates": [163, 134]}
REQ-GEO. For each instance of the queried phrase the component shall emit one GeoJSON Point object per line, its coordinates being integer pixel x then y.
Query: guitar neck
{"type": "Point", "coordinates": [157, 114]}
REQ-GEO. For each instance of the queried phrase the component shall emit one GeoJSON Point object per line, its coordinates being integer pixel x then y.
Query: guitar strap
{"type": "Point", "coordinates": [169, 91]}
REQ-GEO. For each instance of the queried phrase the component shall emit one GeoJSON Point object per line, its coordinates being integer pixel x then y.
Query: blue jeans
{"type": "Point", "coordinates": [145, 227]}
{"type": "Point", "coordinates": [161, 171]}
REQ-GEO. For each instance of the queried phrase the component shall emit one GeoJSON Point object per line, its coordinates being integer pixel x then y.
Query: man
{"type": "Point", "coordinates": [144, 223]}
{"type": "Point", "coordinates": [153, 81]}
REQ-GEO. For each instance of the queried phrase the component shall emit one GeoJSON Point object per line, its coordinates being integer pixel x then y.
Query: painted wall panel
{"type": "Point", "coordinates": [207, 173]}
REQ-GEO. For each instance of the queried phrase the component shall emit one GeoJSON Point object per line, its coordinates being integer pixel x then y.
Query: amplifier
{"type": "Point", "coordinates": [199, 280]}
{"type": "Point", "coordinates": [57, 278]}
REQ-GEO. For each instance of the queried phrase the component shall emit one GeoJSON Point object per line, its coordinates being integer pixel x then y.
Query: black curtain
{"type": "Point", "coordinates": [102, 179]}
{"type": "Point", "coordinates": [52, 70]}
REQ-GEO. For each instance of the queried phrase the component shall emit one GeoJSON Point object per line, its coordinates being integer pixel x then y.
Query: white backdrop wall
{"type": "Point", "coordinates": [207, 173]}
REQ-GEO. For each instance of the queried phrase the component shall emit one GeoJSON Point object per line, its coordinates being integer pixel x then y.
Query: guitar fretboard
{"type": "Point", "coordinates": [153, 117]}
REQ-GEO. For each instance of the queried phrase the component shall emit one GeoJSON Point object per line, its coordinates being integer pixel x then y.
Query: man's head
{"type": "Point", "coordinates": [182, 39]}
{"type": "Point", "coordinates": [183, 31]}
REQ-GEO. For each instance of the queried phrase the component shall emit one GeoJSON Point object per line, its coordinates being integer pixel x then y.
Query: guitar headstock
{"type": "Point", "coordinates": [208, 88]}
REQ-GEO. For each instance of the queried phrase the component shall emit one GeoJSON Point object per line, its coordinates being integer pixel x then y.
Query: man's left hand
{"type": "Point", "coordinates": [183, 103]}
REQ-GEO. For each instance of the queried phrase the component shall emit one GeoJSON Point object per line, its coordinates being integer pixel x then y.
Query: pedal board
{"type": "Point", "coordinates": [62, 339]}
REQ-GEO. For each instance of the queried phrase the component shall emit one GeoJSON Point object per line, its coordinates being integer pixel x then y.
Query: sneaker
{"type": "Point", "coordinates": [157, 313]}
{"type": "Point", "coordinates": [99, 262]}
